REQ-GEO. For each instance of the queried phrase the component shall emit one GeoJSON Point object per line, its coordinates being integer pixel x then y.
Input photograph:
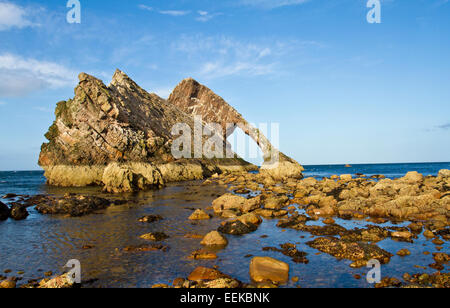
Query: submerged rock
{"type": "Point", "coordinates": [154, 236]}
{"type": "Point", "coordinates": [150, 218]}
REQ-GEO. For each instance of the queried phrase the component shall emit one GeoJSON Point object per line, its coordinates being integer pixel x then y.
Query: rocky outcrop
{"type": "Point", "coordinates": [196, 99]}
{"type": "Point", "coordinates": [120, 136]}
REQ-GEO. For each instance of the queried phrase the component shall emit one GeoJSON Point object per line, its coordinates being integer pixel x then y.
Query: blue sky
{"type": "Point", "coordinates": [343, 90]}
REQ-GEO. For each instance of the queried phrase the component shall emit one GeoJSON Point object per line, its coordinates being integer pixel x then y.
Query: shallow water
{"type": "Point", "coordinates": [45, 243]}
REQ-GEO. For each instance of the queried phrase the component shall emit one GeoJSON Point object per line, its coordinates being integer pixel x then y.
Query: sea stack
{"type": "Point", "coordinates": [120, 137]}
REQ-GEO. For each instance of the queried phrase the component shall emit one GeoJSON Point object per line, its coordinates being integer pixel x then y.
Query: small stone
{"type": "Point", "coordinates": [329, 221]}
{"type": "Point", "coordinates": [155, 236]}
{"type": "Point", "coordinates": [428, 234]}
{"type": "Point", "coordinates": [214, 238]}
{"type": "Point", "coordinates": [438, 242]}
{"type": "Point", "coordinates": [199, 215]}
{"type": "Point", "coordinates": [202, 254]}
{"type": "Point", "coordinates": [402, 235]}
{"type": "Point", "coordinates": [204, 273]}
{"type": "Point", "coordinates": [150, 218]}
{"type": "Point", "coordinates": [403, 253]}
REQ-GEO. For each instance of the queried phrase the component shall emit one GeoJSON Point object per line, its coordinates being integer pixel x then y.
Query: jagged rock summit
{"type": "Point", "coordinates": [120, 137]}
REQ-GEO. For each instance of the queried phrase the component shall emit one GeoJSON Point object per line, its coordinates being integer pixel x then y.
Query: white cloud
{"type": "Point", "coordinates": [2, 103]}
{"type": "Point", "coordinates": [271, 4]}
{"type": "Point", "coordinates": [205, 16]}
{"type": "Point", "coordinates": [21, 76]}
{"type": "Point", "coordinates": [13, 16]}
{"type": "Point", "coordinates": [175, 13]}
{"type": "Point", "coordinates": [221, 56]}
{"type": "Point", "coordinates": [224, 56]}
{"type": "Point", "coordinates": [145, 7]}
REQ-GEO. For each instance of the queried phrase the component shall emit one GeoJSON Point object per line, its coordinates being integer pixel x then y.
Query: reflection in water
{"type": "Point", "coordinates": [43, 243]}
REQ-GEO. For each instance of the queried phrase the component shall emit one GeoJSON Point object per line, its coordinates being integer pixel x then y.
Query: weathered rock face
{"type": "Point", "coordinates": [196, 99]}
{"type": "Point", "coordinates": [120, 136]}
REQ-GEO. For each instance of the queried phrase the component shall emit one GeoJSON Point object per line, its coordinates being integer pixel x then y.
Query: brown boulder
{"type": "Point", "coordinates": [214, 238]}
{"type": "Point", "coordinates": [269, 269]}
{"type": "Point", "coordinates": [204, 273]}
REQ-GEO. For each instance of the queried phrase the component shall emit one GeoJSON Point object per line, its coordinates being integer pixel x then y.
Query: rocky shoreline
{"type": "Point", "coordinates": [421, 204]}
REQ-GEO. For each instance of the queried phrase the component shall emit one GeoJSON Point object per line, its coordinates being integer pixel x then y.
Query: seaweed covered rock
{"type": "Point", "coordinates": [74, 206]}
{"type": "Point", "coordinates": [358, 252]}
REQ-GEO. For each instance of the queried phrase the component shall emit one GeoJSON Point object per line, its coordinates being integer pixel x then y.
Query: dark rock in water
{"type": "Point", "coordinates": [9, 196]}
{"type": "Point", "coordinates": [19, 212]}
{"type": "Point", "coordinates": [290, 250]}
{"type": "Point", "coordinates": [4, 211]}
{"type": "Point", "coordinates": [236, 227]}
{"type": "Point", "coordinates": [360, 253]}
{"type": "Point", "coordinates": [150, 218]}
{"type": "Point", "coordinates": [155, 236]}
{"type": "Point", "coordinates": [75, 206]}
{"type": "Point", "coordinates": [146, 248]}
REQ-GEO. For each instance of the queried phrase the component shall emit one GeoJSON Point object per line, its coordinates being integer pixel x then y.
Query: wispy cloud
{"type": "Point", "coordinates": [445, 126]}
{"type": "Point", "coordinates": [145, 7]}
{"type": "Point", "coordinates": [271, 4]}
{"type": "Point", "coordinates": [2, 103]}
{"type": "Point", "coordinates": [174, 13]}
{"type": "Point", "coordinates": [21, 76]}
{"type": "Point", "coordinates": [219, 56]}
{"type": "Point", "coordinates": [14, 16]}
{"type": "Point", "coordinates": [205, 16]}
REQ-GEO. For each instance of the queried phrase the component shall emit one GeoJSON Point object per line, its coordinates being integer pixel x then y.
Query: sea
{"type": "Point", "coordinates": [43, 243]}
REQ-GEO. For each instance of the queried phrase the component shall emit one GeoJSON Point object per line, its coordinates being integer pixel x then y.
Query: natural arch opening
{"type": "Point", "coordinates": [245, 147]}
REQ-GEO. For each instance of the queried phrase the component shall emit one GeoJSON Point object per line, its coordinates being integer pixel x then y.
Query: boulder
{"type": "Point", "coordinates": [268, 269]}
{"type": "Point", "coordinates": [346, 177]}
{"type": "Point", "coordinates": [4, 211]}
{"type": "Point", "coordinates": [204, 273]}
{"type": "Point", "coordinates": [19, 212]}
{"type": "Point", "coordinates": [412, 177]}
{"type": "Point", "coordinates": [199, 215]}
{"type": "Point", "coordinates": [74, 205]}
{"type": "Point", "coordinates": [7, 284]}
{"type": "Point", "coordinates": [214, 238]}
{"type": "Point", "coordinates": [444, 173]}
{"type": "Point", "coordinates": [228, 202]}
{"type": "Point", "coordinates": [275, 203]}
{"type": "Point", "coordinates": [236, 227]}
